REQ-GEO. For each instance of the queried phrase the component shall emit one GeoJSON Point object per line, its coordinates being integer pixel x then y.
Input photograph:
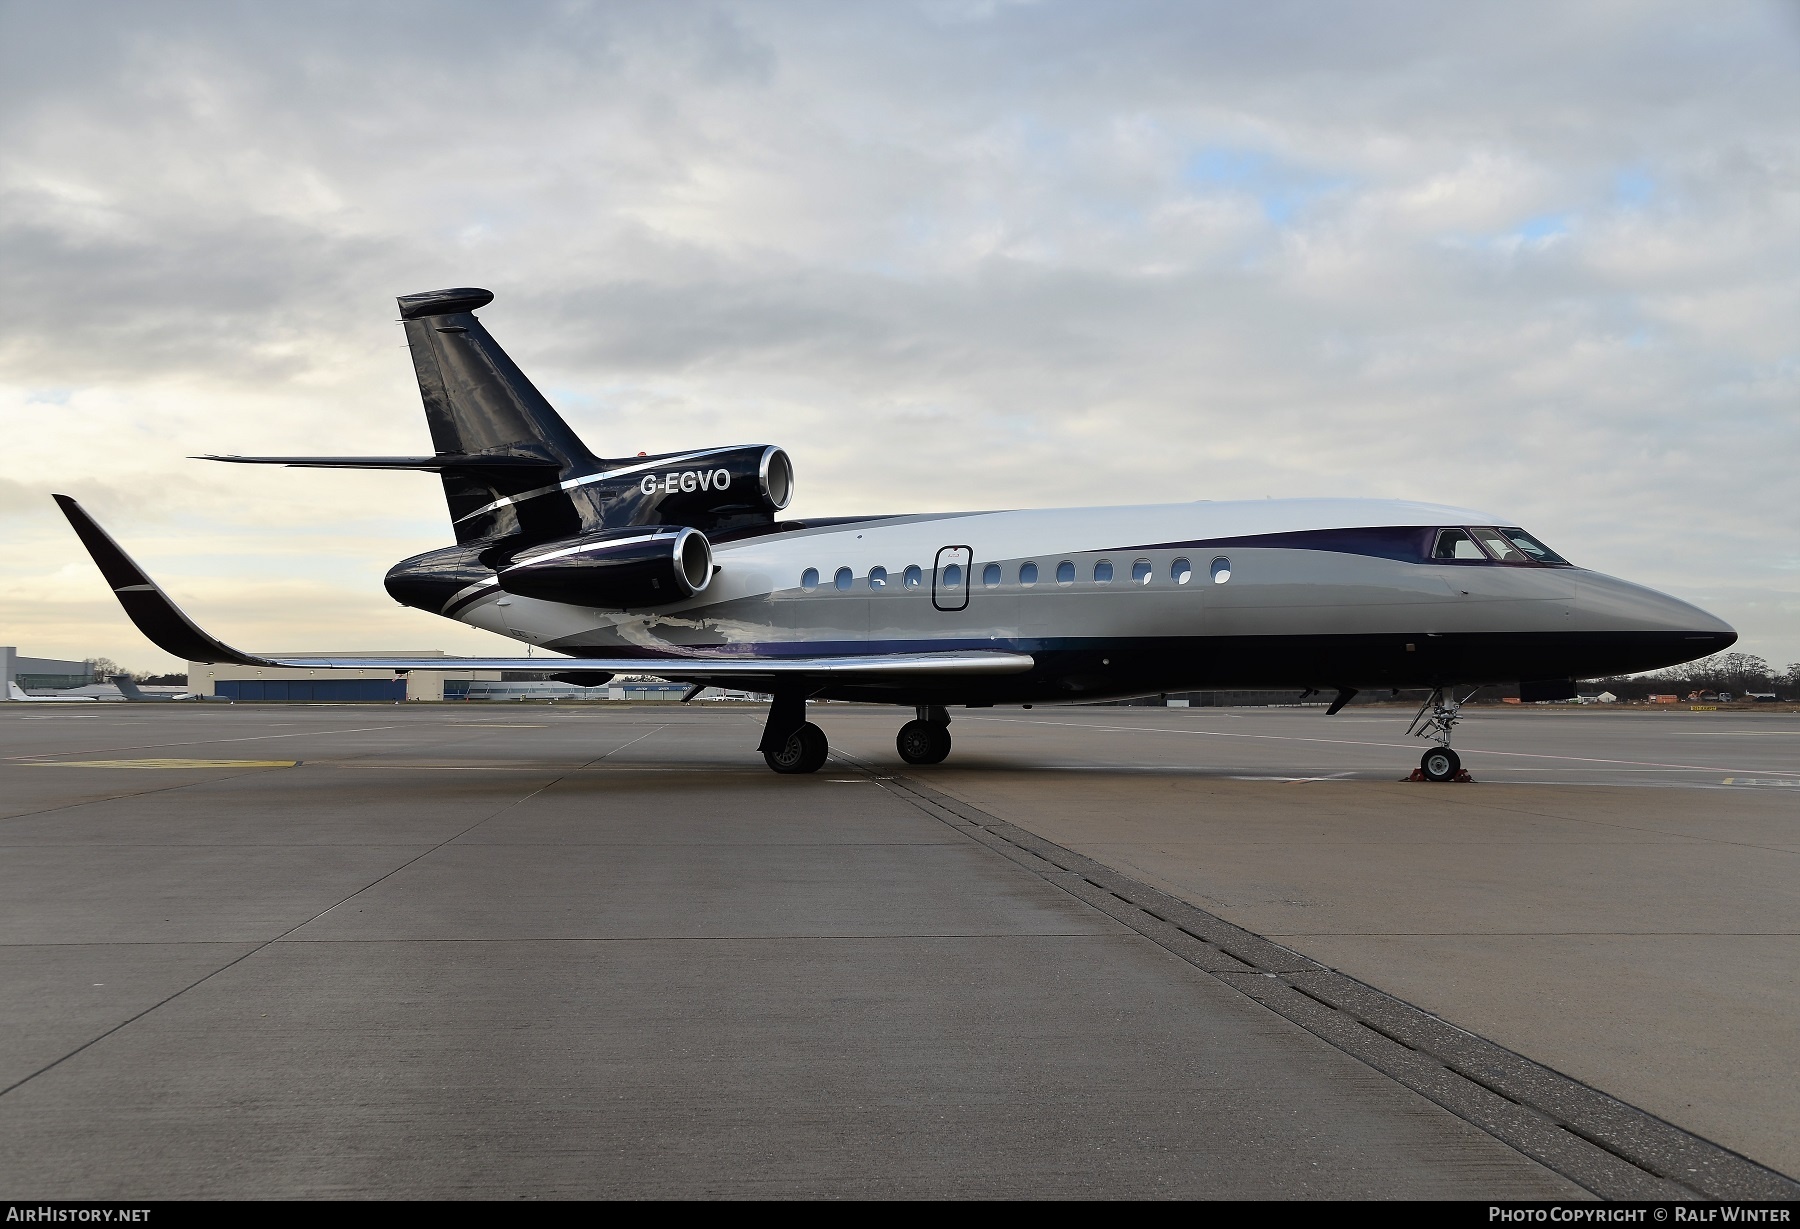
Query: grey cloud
{"type": "Point", "coordinates": [1540, 257]}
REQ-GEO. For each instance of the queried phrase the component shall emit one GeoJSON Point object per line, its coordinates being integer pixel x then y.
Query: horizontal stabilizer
{"type": "Point", "coordinates": [436, 464]}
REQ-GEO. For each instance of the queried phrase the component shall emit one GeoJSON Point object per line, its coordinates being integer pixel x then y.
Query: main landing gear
{"type": "Point", "coordinates": [790, 743]}
{"type": "Point", "coordinates": [804, 750]}
{"type": "Point", "coordinates": [925, 740]}
{"type": "Point", "coordinates": [1436, 718]}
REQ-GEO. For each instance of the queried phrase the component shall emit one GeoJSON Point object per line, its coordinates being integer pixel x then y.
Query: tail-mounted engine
{"type": "Point", "coordinates": [713, 489]}
{"type": "Point", "coordinates": [616, 569]}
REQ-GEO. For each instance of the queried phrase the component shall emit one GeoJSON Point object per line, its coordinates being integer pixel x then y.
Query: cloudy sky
{"type": "Point", "coordinates": [1538, 259]}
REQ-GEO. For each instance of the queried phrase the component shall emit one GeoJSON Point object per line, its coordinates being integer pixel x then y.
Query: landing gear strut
{"type": "Point", "coordinates": [1436, 718]}
{"type": "Point", "coordinates": [925, 740]}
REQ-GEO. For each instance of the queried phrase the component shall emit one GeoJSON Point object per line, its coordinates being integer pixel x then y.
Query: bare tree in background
{"type": "Point", "coordinates": [1733, 672]}
{"type": "Point", "coordinates": [103, 668]}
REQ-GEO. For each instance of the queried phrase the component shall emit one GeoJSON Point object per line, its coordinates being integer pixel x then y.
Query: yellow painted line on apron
{"type": "Point", "coordinates": [164, 763]}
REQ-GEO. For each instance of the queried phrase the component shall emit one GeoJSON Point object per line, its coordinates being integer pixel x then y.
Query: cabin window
{"type": "Point", "coordinates": [953, 576]}
{"type": "Point", "coordinates": [1142, 572]}
{"type": "Point", "coordinates": [809, 579]}
{"type": "Point", "coordinates": [1065, 573]}
{"type": "Point", "coordinates": [1498, 546]}
{"type": "Point", "coordinates": [877, 577]}
{"type": "Point", "coordinates": [1028, 573]}
{"type": "Point", "coordinates": [912, 578]}
{"type": "Point", "coordinates": [844, 579]}
{"type": "Point", "coordinates": [1103, 572]}
{"type": "Point", "coordinates": [1532, 547]}
{"type": "Point", "coordinates": [1221, 570]}
{"type": "Point", "coordinates": [1456, 544]}
{"type": "Point", "coordinates": [990, 576]}
{"type": "Point", "coordinates": [1181, 571]}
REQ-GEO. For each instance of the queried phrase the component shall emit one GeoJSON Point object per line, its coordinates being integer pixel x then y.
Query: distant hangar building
{"type": "Point", "coordinates": [271, 683]}
{"type": "Point", "coordinates": [41, 673]}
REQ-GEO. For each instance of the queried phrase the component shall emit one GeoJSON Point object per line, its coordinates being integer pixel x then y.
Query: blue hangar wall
{"type": "Point", "coordinates": [311, 689]}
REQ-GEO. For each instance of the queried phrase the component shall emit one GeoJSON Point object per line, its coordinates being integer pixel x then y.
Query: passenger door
{"type": "Point", "coordinates": [950, 580]}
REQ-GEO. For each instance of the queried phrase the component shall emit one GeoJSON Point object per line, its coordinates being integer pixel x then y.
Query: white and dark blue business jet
{"type": "Point", "coordinates": [681, 566]}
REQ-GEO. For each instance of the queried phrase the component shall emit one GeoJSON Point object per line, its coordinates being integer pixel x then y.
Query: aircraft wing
{"type": "Point", "coordinates": [163, 623]}
{"type": "Point", "coordinates": [936, 664]}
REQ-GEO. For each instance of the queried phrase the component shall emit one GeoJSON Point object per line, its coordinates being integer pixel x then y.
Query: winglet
{"type": "Point", "coordinates": [147, 605]}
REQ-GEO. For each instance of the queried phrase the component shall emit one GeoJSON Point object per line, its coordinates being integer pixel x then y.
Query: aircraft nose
{"type": "Point", "coordinates": [1666, 627]}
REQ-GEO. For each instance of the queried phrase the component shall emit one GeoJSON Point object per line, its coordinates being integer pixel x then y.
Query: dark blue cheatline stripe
{"type": "Point", "coordinates": [1404, 543]}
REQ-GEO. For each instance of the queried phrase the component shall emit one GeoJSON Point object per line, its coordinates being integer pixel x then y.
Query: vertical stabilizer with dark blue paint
{"type": "Point", "coordinates": [479, 404]}
{"type": "Point", "coordinates": [514, 473]}
{"type": "Point", "coordinates": [509, 463]}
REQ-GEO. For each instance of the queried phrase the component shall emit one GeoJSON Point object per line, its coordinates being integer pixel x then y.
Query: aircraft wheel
{"type": "Point", "coordinates": [1440, 764]}
{"type": "Point", "coordinates": [804, 751]}
{"type": "Point", "coordinates": [922, 742]}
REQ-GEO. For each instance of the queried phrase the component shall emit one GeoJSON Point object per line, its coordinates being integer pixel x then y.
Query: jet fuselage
{"type": "Point", "coordinates": [1305, 593]}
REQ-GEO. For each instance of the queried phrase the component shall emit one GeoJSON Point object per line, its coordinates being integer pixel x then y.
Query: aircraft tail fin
{"type": "Point", "coordinates": [506, 458]}
{"type": "Point", "coordinates": [127, 687]}
{"type": "Point", "coordinates": [479, 404]}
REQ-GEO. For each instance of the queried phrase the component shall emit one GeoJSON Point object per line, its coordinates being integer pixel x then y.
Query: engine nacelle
{"type": "Point", "coordinates": [619, 569]}
{"type": "Point", "coordinates": [710, 489]}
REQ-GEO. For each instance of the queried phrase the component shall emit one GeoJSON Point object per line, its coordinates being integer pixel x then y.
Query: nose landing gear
{"type": "Point", "coordinates": [1436, 718]}
{"type": "Point", "coordinates": [1440, 764]}
{"type": "Point", "coordinates": [925, 740]}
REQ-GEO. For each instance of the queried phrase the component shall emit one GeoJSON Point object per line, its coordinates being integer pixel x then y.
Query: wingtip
{"type": "Point", "coordinates": [161, 621]}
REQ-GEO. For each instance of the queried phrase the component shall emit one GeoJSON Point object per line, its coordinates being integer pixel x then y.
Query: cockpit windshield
{"type": "Point", "coordinates": [1485, 544]}
{"type": "Point", "coordinates": [1456, 544]}
{"type": "Point", "coordinates": [1498, 546]}
{"type": "Point", "coordinates": [1534, 550]}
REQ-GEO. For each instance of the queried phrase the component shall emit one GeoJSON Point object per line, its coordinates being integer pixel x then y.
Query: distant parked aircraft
{"type": "Point", "coordinates": [131, 691]}
{"type": "Point", "coordinates": [679, 566]}
{"type": "Point", "coordinates": [16, 692]}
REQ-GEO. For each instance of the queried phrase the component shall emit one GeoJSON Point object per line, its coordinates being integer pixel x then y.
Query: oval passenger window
{"type": "Point", "coordinates": [1221, 571]}
{"type": "Point", "coordinates": [809, 579]}
{"type": "Point", "coordinates": [953, 576]}
{"type": "Point", "coordinates": [844, 579]}
{"type": "Point", "coordinates": [1028, 573]}
{"type": "Point", "coordinates": [1103, 572]}
{"type": "Point", "coordinates": [1065, 573]}
{"type": "Point", "coordinates": [990, 576]}
{"type": "Point", "coordinates": [1181, 571]}
{"type": "Point", "coordinates": [877, 578]}
{"type": "Point", "coordinates": [912, 578]}
{"type": "Point", "coordinates": [1141, 571]}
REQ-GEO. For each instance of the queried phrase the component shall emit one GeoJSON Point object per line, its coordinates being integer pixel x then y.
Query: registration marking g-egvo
{"type": "Point", "coordinates": [687, 480]}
